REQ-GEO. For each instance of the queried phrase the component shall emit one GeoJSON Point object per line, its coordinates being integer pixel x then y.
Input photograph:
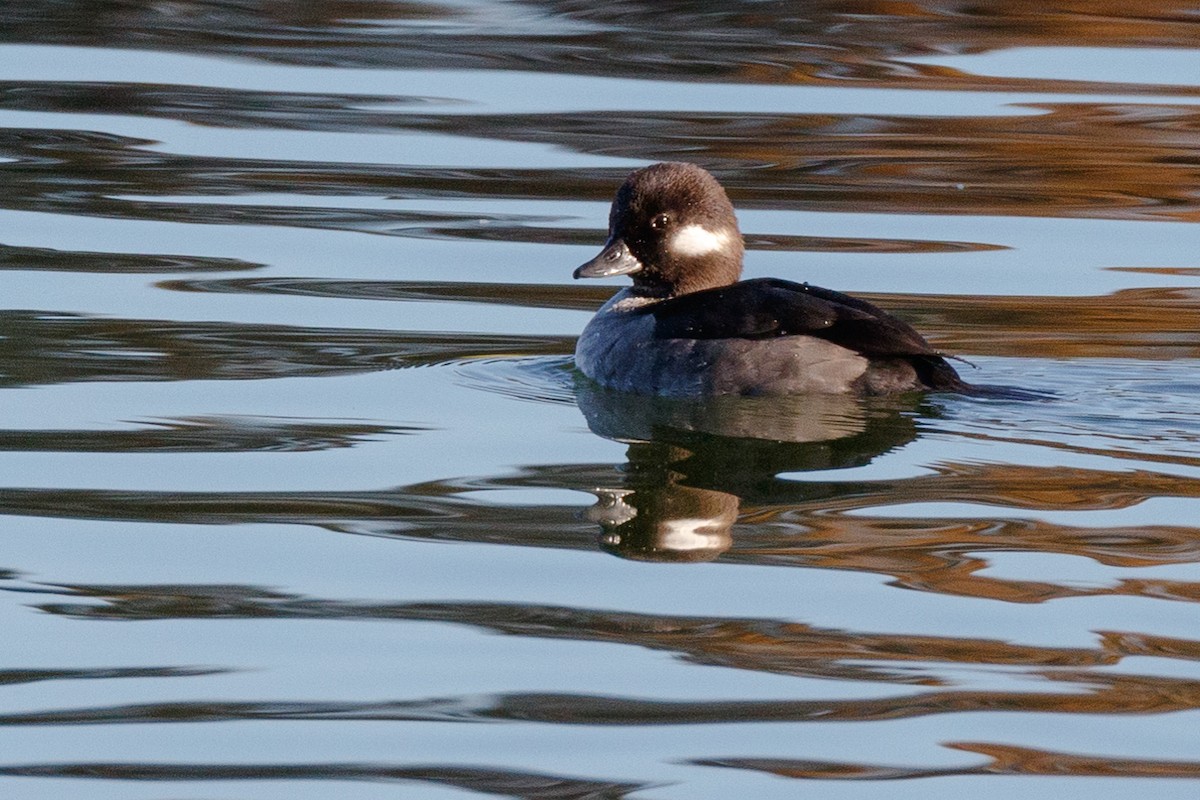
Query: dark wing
{"type": "Point", "coordinates": [764, 308]}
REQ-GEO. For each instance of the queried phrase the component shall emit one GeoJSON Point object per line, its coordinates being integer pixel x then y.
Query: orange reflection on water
{"type": "Point", "coordinates": [1004, 759]}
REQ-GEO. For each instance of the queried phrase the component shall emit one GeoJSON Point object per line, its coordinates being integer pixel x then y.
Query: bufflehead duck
{"type": "Point", "coordinates": [688, 327]}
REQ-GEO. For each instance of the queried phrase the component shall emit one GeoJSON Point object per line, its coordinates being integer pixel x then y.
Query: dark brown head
{"type": "Point", "coordinates": [672, 228]}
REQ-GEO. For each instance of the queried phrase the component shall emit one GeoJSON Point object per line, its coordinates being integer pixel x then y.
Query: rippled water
{"type": "Point", "coordinates": [301, 493]}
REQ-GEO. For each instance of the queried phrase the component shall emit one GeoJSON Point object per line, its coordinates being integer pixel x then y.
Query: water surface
{"type": "Point", "coordinates": [302, 494]}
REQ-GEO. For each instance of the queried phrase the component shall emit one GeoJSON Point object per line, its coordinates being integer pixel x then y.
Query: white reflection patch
{"type": "Point", "coordinates": [690, 534]}
{"type": "Point", "coordinates": [697, 240]}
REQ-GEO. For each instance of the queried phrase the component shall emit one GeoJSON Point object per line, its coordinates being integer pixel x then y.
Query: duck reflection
{"type": "Point", "coordinates": [660, 519]}
{"type": "Point", "coordinates": [691, 463]}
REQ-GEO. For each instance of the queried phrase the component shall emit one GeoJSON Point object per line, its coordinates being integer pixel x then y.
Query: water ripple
{"type": "Point", "coordinates": [494, 781]}
{"type": "Point", "coordinates": [48, 348]}
{"type": "Point", "coordinates": [1003, 759]}
{"type": "Point", "coordinates": [205, 435]}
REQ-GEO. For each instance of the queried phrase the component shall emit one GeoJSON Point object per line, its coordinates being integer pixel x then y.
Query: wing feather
{"type": "Point", "coordinates": [769, 307]}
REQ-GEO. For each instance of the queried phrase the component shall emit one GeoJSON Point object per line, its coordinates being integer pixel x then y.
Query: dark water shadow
{"type": "Point", "coordinates": [1085, 674]}
{"type": "Point", "coordinates": [776, 646]}
{"type": "Point", "coordinates": [44, 348]}
{"type": "Point", "coordinates": [46, 259]}
{"type": "Point", "coordinates": [718, 494]}
{"type": "Point", "coordinates": [1087, 689]}
{"type": "Point", "coordinates": [749, 42]}
{"type": "Point", "coordinates": [223, 434]}
{"type": "Point", "coordinates": [1122, 695]}
{"type": "Point", "coordinates": [791, 523]}
{"type": "Point", "coordinates": [483, 780]}
{"type": "Point", "coordinates": [1099, 161]}
{"type": "Point", "coordinates": [12, 677]}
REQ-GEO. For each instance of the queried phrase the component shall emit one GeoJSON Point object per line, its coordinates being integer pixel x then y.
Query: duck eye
{"type": "Point", "coordinates": [660, 221]}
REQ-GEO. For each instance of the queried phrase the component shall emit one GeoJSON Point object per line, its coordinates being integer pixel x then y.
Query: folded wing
{"type": "Point", "coordinates": [769, 307]}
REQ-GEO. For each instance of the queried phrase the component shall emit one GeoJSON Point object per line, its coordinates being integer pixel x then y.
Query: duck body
{"type": "Point", "coordinates": [693, 346]}
{"type": "Point", "coordinates": [689, 328]}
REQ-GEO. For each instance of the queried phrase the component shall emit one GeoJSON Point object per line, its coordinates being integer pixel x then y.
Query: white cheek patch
{"type": "Point", "coordinates": [697, 240]}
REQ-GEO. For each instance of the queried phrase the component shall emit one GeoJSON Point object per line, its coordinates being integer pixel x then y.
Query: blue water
{"type": "Point", "coordinates": [302, 495]}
